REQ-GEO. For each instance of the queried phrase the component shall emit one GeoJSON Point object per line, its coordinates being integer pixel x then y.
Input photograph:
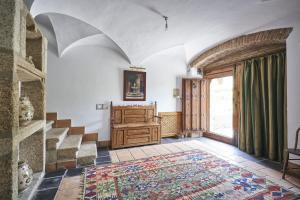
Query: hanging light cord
{"type": "Point", "coordinates": [166, 19]}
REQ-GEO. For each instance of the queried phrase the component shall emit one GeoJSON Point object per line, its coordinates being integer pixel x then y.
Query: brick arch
{"type": "Point", "coordinates": [243, 47]}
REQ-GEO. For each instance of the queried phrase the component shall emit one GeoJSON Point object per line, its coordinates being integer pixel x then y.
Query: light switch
{"type": "Point", "coordinates": [99, 106]}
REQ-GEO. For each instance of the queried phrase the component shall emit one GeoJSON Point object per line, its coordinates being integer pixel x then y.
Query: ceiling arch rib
{"type": "Point", "coordinates": [99, 40]}
{"type": "Point", "coordinates": [68, 30]}
{"type": "Point", "coordinates": [95, 15]}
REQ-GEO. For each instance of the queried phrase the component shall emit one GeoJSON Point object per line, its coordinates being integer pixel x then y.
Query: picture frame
{"type": "Point", "coordinates": [134, 86]}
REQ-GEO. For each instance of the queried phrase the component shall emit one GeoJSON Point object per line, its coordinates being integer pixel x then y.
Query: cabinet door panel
{"type": "Point", "coordinates": [204, 85]}
{"type": "Point", "coordinates": [187, 104]}
{"type": "Point", "coordinates": [150, 116]}
{"type": "Point", "coordinates": [117, 116]}
{"type": "Point", "coordinates": [155, 134]}
{"type": "Point", "coordinates": [118, 138]}
{"type": "Point", "coordinates": [195, 101]}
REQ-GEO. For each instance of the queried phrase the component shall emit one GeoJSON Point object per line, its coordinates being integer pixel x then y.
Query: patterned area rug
{"type": "Point", "coordinates": [185, 175]}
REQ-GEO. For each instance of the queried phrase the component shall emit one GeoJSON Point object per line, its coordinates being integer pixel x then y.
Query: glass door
{"type": "Point", "coordinates": [221, 107]}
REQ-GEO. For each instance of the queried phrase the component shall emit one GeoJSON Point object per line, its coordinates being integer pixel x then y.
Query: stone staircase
{"type": "Point", "coordinates": [68, 147]}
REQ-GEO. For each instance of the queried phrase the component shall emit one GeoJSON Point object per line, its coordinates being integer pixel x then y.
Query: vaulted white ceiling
{"type": "Point", "coordinates": [135, 28]}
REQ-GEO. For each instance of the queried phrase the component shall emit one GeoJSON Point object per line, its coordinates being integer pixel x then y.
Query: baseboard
{"type": "Point", "coordinates": [104, 143]}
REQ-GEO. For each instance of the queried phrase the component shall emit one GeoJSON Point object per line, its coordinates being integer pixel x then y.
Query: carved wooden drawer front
{"type": "Point", "coordinates": [140, 131]}
{"type": "Point", "coordinates": [135, 119]}
{"type": "Point", "coordinates": [135, 112]}
{"type": "Point", "coordinates": [137, 139]}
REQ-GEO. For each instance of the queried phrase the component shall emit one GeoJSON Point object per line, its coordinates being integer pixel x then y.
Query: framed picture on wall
{"type": "Point", "coordinates": [134, 86]}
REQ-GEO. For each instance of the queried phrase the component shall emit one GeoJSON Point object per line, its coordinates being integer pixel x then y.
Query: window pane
{"type": "Point", "coordinates": [221, 106]}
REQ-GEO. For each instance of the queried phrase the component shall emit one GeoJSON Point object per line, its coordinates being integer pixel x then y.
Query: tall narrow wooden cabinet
{"type": "Point", "coordinates": [191, 107]}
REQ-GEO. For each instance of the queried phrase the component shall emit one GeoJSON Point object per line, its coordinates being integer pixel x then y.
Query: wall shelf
{"type": "Point", "coordinates": [29, 129]}
{"type": "Point", "coordinates": [33, 34]}
{"type": "Point", "coordinates": [29, 192]}
{"type": "Point", "coordinates": [26, 71]}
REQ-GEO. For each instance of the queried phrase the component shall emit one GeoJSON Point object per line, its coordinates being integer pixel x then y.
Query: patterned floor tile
{"type": "Point", "coordinates": [50, 183]}
{"type": "Point", "coordinates": [74, 172]}
{"type": "Point", "coordinates": [45, 194]}
{"type": "Point", "coordinates": [55, 174]}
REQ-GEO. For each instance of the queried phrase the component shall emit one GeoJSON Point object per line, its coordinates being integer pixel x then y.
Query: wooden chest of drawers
{"type": "Point", "coordinates": [134, 126]}
{"type": "Point", "coordinates": [135, 134]}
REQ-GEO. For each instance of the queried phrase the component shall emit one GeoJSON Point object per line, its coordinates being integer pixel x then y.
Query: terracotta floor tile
{"type": "Point", "coordinates": [70, 182]}
{"type": "Point", "coordinates": [113, 157]}
{"type": "Point", "coordinates": [124, 155]}
{"type": "Point", "coordinates": [293, 180]}
{"type": "Point", "coordinates": [137, 153]}
{"type": "Point", "coordinates": [150, 151]}
{"type": "Point", "coordinates": [69, 189]}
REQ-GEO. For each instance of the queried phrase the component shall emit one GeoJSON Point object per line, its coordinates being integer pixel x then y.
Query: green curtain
{"type": "Point", "coordinates": [262, 106]}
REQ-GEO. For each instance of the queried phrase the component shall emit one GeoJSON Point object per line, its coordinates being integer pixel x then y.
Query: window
{"type": "Point", "coordinates": [221, 106]}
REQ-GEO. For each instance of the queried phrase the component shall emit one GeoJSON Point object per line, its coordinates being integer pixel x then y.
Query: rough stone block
{"type": "Point", "coordinates": [51, 167]}
{"type": "Point", "coordinates": [86, 161]}
{"type": "Point", "coordinates": [51, 156]}
{"type": "Point", "coordinates": [32, 151]}
{"type": "Point", "coordinates": [67, 154]}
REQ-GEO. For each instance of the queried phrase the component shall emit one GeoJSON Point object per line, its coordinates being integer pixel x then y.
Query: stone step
{"type": "Point", "coordinates": [51, 116]}
{"type": "Point", "coordinates": [69, 147]}
{"type": "Point", "coordinates": [76, 130]}
{"type": "Point", "coordinates": [54, 137]}
{"type": "Point", "coordinates": [88, 137]}
{"type": "Point", "coordinates": [49, 125]}
{"type": "Point", "coordinates": [51, 167]}
{"type": "Point", "coordinates": [87, 154]}
{"type": "Point", "coordinates": [62, 123]}
{"type": "Point", "coordinates": [66, 164]}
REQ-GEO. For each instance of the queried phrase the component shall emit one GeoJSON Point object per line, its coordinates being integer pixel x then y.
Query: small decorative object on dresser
{"type": "Point", "coordinates": [134, 86]}
{"type": "Point", "coordinates": [134, 125]}
{"type": "Point", "coordinates": [26, 111]}
{"type": "Point", "coordinates": [25, 175]}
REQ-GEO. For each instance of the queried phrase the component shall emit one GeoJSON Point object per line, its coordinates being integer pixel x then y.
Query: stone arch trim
{"type": "Point", "coordinates": [243, 47]}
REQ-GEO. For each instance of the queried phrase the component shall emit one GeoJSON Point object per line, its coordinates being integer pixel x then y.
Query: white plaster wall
{"type": "Point", "coordinates": [164, 72]}
{"type": "Point", "coordinates": [293, 85]}
{"type": "Point", "coordinates": [87, 75]}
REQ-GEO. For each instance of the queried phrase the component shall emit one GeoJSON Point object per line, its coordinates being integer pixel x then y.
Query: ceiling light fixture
{"type": "Point", "coordinates": [166, 20]}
